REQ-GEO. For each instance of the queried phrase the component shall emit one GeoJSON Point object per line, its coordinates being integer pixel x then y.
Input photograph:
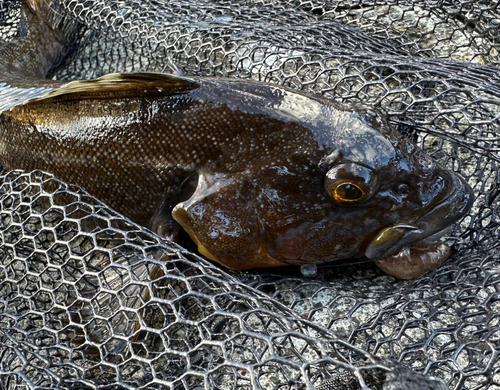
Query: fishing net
{"type": "Point", "coordinates": [90, 300]}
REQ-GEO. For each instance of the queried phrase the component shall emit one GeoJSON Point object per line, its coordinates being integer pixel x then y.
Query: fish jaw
{"type": "Point", "coordinates": [408, 250]}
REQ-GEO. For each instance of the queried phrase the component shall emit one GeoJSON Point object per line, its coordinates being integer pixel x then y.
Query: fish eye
{"type": "Point", "coordinates": [349, 183]}
{"type": "Point", "coordinates": [346, 193]}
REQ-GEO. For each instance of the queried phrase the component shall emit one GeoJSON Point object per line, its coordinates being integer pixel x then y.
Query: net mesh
{"type": "Point", "coordinates": [90, 300]}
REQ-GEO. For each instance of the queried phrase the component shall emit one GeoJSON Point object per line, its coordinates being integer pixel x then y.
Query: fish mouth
{"type": "Point", "coordinates": [423, 231]}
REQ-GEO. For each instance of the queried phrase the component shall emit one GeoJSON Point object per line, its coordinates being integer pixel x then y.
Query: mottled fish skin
{"type": "Point", "coordinates": [258, 175]}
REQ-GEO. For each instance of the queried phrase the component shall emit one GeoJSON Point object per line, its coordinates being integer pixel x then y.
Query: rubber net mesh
{"type": "Point", "coordinates": [90, 300]}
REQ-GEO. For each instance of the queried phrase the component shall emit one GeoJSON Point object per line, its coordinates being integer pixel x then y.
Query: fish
{"type": "Point", "coordinates": [258, 175]}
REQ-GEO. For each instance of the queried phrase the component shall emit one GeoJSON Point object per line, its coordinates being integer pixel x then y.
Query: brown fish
{"type": "Point", "coordinates": [258, 175]}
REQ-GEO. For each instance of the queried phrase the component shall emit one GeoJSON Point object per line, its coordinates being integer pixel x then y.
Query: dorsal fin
{"type": "Point", "coordinates": [123, 84]}
{"type": "Point", "coordinates": [35, 5]}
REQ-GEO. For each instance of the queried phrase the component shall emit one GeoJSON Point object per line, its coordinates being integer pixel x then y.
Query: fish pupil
{"type": "Point", "coordinates": [348, 192]}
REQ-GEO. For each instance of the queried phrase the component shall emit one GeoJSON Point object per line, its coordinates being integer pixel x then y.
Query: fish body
{"type": "Point", "coordinates": [258, 175]}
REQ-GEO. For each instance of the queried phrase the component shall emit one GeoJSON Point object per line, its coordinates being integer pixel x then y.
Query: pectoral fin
{"type": "Point", "coordinates": [163, 224]}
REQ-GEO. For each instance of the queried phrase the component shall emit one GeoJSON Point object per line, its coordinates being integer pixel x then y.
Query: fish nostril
{"type": "Point", "coordinates": [403, 190]}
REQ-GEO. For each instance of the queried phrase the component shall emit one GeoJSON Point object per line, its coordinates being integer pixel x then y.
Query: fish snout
{"type": "Point", "coordinates": [448, 205]}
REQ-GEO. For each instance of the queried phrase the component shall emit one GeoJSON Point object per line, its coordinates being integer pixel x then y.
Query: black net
{"type": "Point", "coordinates": [90, 300]}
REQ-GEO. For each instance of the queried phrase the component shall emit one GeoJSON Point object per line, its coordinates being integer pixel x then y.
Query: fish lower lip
{"type": "Point", "coordinates": [411, 263]}
{"type": "Point", "coordinates": [431, 226]}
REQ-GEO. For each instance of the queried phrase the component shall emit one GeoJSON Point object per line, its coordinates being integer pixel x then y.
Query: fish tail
{"type": "Point", "coordinates": [36, 45]}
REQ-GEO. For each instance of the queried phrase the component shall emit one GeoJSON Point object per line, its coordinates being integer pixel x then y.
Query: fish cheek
{"type": "Point", "coordinates": [305, 226]}
{"type": "Point", "coordinates": [220, 219]}
{"type": "Point", "coordinates": [298, 223]}
{"type": "Point", "coordinates": [311, 237]}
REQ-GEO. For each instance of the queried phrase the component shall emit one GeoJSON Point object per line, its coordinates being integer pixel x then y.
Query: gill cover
{"type": "Point", "coordinates": [220, 219]}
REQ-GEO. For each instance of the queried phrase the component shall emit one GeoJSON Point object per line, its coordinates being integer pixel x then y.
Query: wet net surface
{"type": "Point", "coordinates": [88, 300]}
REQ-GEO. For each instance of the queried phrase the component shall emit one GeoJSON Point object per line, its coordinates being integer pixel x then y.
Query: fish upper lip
{"type": "Point", "coordinates": [447, 211]}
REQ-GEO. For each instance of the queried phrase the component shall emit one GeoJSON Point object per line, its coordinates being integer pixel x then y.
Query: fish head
{"type": "Point", "coordinates": [367, 195]}
{"type": "Point", "coordinates": [392, 213]}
